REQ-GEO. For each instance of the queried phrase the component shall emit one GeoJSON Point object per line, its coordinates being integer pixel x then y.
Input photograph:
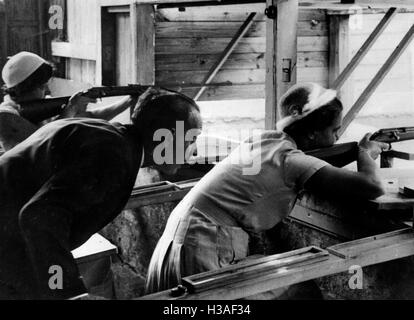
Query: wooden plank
{"type": "Point", "coordinates": [228, 77]}
{"type": "Point", "coordinates": [3, 34]}
{"type": "Point", "coordinates": [361, 5]}
{"type": "Point", "coordinates": [108, 49]}
{"type": "Point", "coordinates": [339, 41]}
{"type": "Point", "coordinates": [213, 13]}
{"type": "Point", "coordinates": [394, 248]}
{"type": "Point", "coordinates": [352, 113]}
{"type": "Point", "coordinates": [209, 29]}
{"type": "Point", "coordinates": [225, 91]}
{"type": "Point", "coordinates": [226, 53]}
{"type": "Point", "coordinates": [365, 11]}
{"type": "Point", "coordinates": [233, 92]}
{"type": "Point", "coordinates": [123, 49]}
{"type": "Point", "coordinates": [236, 61]}
{"type": "Point", "coordinates": [282, 46]}
{"type": "Point", "coordinates": [109, 3]}
{"type": "Point", "coordinates": [251, 268]}
{"type": "Point", "coordinates": [73, 50]}
{"type": "Point", "coordinates": [142, 43]}
{"type": "Point", "coordinates": [333, 226]}
{"type": "Point", "coordinates": [230, 92]}
{"type": "Point", "coordinates": [217, 29]}
{"type": "Point", "coordinates": [361, 246]}
{"type": "Point", "coordinates": [99, 37]}
{"type": "Point", "coordinates": [230, 13]}
{"type": "Point", "coordinates": [379, 29]}
{"type": "Point", "coordinates": [217, 45]}
{"type": "Point", "coordinates": [209, 46]}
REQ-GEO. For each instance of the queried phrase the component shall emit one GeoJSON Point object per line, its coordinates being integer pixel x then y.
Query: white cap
{"type": "Point", "coordinates": [316, 97]}
{"type": "Point", "coordinates": [20, 67]}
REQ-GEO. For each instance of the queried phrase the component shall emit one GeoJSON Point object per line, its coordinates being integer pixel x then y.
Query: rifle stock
{"type": "Point", "coordinates": [339, 155]}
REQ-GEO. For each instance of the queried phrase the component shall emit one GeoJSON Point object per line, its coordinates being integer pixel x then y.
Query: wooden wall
{"type": "Point", "coordinates": [189, 42]}
{"type": "Point", "coordinates": [3, 35]}
{"type": "Point", "coordinates": [395, 94]}
{"type": "Point", "coordinates": [24, 26]}
{"type": "Point", "coordinates": [81, 31]}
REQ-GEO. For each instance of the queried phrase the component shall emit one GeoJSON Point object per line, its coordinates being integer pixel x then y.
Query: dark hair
{"type": "Point", "coordinates": [318, 120]}
{"type": "Point", "coordinates": [160, 108]}
{"type": "Point", "coordinates": [37, 78]}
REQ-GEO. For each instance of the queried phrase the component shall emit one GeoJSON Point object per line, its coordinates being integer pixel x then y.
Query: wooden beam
{"type": "Point", "coordinates": [339, 52]}
{"type": "Point", "coordinates": [363, 252]}
{"type": "Point", "coordinates": [3, 35]}
{"type": "Point", "coordinates": [142, 19]}
{"type": "Point", "coordinates": [372, 86]}
{"type": "Point", "coordinates": [107, 48]}
{"type": "Point", "coordinates": [364, 5]}
{"type": "Point", "coordinates": [73, 50]}
{"type": "Point", "coordinates": [226, 53]}
{"type": "Point", "coordinates": [281, 55]}
{"type": "Point", "coordinates": [344, 75]}
{"type": "Point", "coordinates": [110, 3]}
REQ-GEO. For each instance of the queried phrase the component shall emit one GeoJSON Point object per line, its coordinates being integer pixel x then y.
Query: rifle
{"type": "Point", "coordinates": [38, 110]}
{"type": "Point", "coordinates": [343, 154]}
{"type": "Point", "coordinates": [392, 135]}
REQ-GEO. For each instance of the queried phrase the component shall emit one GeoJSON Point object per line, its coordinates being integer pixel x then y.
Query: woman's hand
{"type": "Point", "coordinates": [76, 106]}
{"type": "Point", "coordinates": [373, 148]}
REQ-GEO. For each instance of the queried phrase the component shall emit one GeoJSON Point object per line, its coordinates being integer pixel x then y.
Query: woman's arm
{"type": "Point", "coordinates": [111, 111]}
{"type": "Point", "coordinates": [364, 184]}
{"type": "Point", "coordinates": [76, 108]}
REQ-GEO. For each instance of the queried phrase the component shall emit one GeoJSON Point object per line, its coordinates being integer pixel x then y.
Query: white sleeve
{"type": "Point", "coordinates": [299, 167]}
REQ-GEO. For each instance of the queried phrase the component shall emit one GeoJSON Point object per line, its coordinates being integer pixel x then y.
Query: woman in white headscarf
{"type": "Point", "coordinates": [209, 228]}
{"type": "Point", "coordinates": [26, 77]}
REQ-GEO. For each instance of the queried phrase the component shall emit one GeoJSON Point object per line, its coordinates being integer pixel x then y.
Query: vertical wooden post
{"type": "Point", "coordinates": [339, 55]}
{"type": "Point", "coordinates": [376, 81]}
{"type": "Point", "coordinates": [362, 52]}
{"type": "Point", "coordinates": [143, 43]}
{"type": "Point", "coordinates": [281, 54]}
{"type": "Point", "coordinates": [107, 47]}
{"type": "Point", "coordinates": [3, 34]}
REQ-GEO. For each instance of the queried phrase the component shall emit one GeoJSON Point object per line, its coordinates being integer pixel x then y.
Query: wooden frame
{"type": "Point", "coordinates": [142, 37]}
{"type": "Point", "coordinates": [281, 55]}
{"type": "Point", "coordinates": [143, 43]}
{"type": "Point", "coordinates": [251, 268]}
{"type": "Point", "coordinates": [376, 81]}
{"type": "Point", "coordinates": [338, 52]}
{"type": "Point", "coordinates": [226, 53]}
{"type": "Point", "coordinates": [362, 52]}
{"type": "Point", "coordinates": [363, 252]}
{"type": "Point", "coordinates": [3, 34]}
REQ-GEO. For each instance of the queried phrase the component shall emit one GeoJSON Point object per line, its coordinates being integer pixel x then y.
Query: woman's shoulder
{"type": "Point", "coordinates": [272, 139]}
{"type": "Point", "coordinates": [9, 106]}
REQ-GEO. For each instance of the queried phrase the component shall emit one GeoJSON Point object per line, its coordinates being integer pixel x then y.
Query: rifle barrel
{"type": "Point", "coordinates": [42, 109]}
